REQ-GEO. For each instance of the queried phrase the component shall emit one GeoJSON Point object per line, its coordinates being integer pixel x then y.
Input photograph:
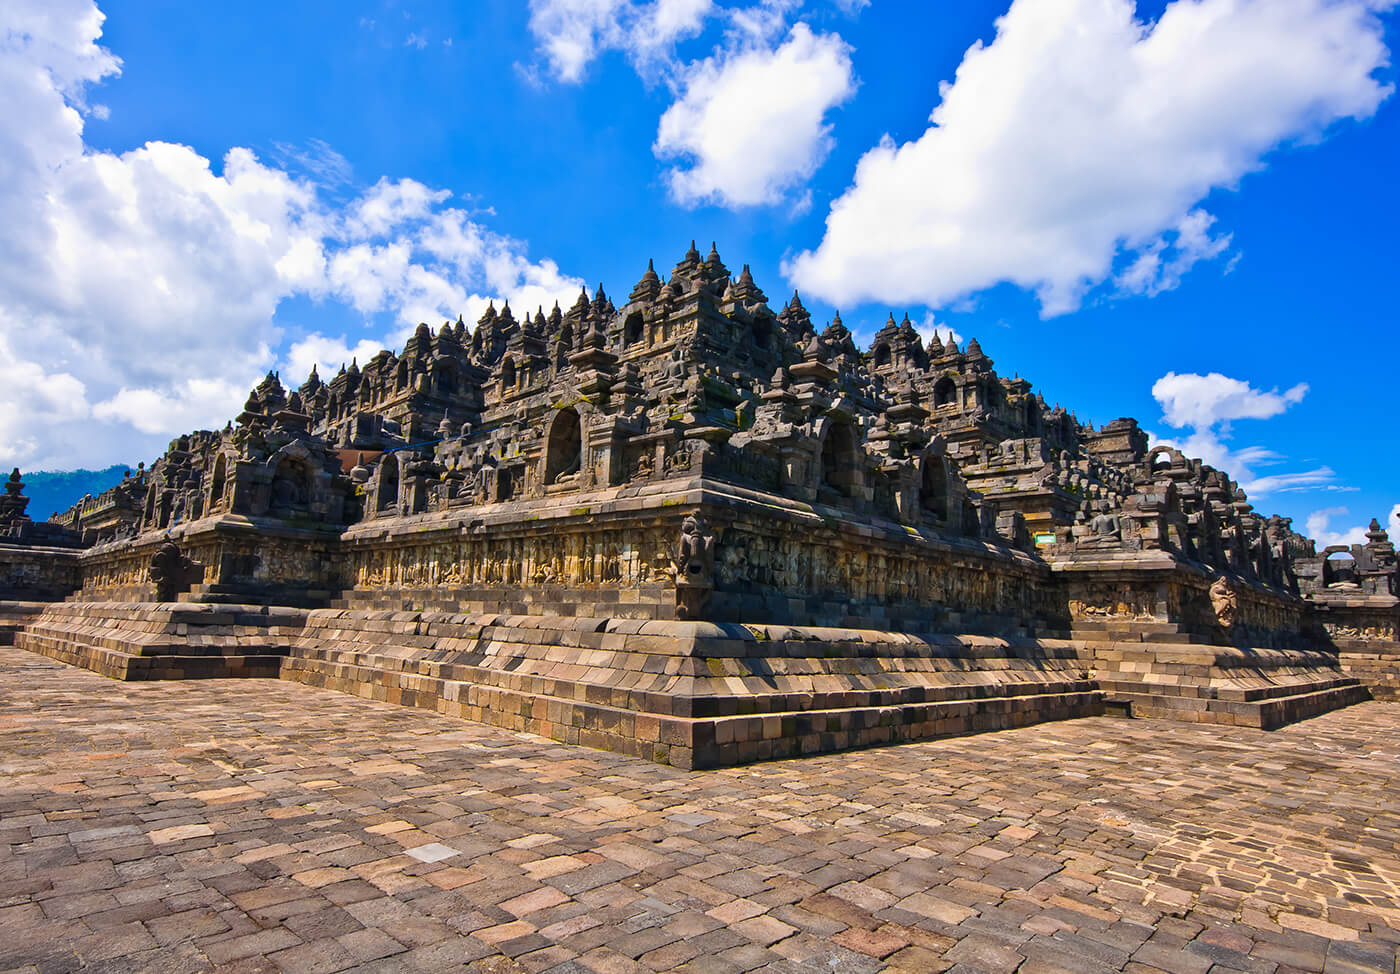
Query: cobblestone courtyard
{"type": "Point", "coordinates": [264, 825]}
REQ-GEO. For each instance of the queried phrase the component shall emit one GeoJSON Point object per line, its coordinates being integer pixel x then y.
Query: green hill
{"type": "Point", "coordinates": [53, 491]}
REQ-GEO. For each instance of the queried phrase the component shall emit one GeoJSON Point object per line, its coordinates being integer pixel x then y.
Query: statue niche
{"type": "Point", "coordinates": [933, 488]}
{"type": "Point", "coordinates": [564, 449]}
{"type": "Point", "coordinates": [840, 460]}
{"type": "Point", "coordinates": [386, 495]}
{"type": "Point", "coordinates": [290, 492]}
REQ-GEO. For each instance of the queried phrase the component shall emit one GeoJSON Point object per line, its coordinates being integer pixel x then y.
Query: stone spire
{"type": "Point", "coordinates": [714, 267]}
{"type": "Point", "coordinates": [312, 385]}
{"type": "Point", "coordinates": [744, 289]}
{"type": "Point", "coordinates": [488, 316]}
{"type": "Point", "coordinates": [13, 503]}
{"type": "Point", "coordinates": [648, 289]}
{"type": "Point", "coordinates": [795, 318]}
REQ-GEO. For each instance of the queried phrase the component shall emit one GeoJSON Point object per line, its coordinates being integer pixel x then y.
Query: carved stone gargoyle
{"type": "Point", "coordinates": [1224, 603]}
{"type": "Point", "coordinates": [695, 580]}
{"type": "Point", "coordinates": [172, 572]}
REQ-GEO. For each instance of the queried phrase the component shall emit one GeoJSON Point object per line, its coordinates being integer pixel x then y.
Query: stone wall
{"type": "Point", "coordinates": [38, 573]}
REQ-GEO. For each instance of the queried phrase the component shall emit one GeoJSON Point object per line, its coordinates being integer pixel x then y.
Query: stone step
{"type": "Point", "coordinates": [1267, 714]}
{"type": "Point", "coordinates": [174, 640]}
{"type": "Point", "coordinates": [685, 740]}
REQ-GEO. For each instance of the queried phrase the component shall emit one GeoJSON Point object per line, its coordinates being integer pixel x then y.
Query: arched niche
{"type": "Point", "coordinates": [634, 329]}
{"type": "Point", "coordinates": [933, 487]}
{"type": "Point", "coordinates": [564, 447]}
{"type": "Point", "coordinates": [218, 482]}
{"type": "Point", "coordinates": [386, 497]}
{"type": "Point", "coordinates": [882, 356]}
{"type": "Point", "coordinates": [507, 375]}
{"type": "Point", "coordinates": [445, 379]}
{"type": "Point", "coordinates": [840, 463]}
{"type": "Point", "coordinates": [290, 490]}
{"type": "Point", "coordinates": [945, 392]}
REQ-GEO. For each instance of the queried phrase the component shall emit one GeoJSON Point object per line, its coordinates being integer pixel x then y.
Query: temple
{"type": "Point", "coordinates": [700, 530]}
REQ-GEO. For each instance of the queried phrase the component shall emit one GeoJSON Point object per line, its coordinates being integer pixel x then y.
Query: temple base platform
{"type": "Point", "coordinates": [165, 640]}
{"type": "Point", "coordinates": [1150, 670]}
{"type": "Point", "coordinates": [699, 694]}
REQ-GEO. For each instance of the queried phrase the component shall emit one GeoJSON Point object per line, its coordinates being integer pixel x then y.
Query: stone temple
{"type": "Point", "coordinates": [695, 529]}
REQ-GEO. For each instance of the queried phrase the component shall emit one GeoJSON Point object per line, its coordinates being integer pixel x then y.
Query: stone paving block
{"type": "Point", "coordinates": [881, 859]}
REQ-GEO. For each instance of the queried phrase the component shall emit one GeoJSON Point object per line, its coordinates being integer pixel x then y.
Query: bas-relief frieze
{"type": "Point", "coordinates": [1112, 600]}
{"type": "Point", "coordinates": [584, 559]}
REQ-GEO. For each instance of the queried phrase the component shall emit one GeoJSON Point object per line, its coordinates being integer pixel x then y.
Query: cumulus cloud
{"type": "Point", "coordinates": [138, 291]}
{"type": "Point", "coordinates": [327, 353]}
{"type": "Point", "coordinates": [1319, 529]}
{"type": "Point", "coordinates": [571, 33]}
{"type": "Point", "coordinates": [750, 122]}
{"type": "Point", "coordinates": [1081, 140]}
{"type": "Point", "coordinates": [1195, 400]}
{"type": "Point", "coordinates": [1206, 405]}
{"type": "Point", "coordinates": [930, 327]}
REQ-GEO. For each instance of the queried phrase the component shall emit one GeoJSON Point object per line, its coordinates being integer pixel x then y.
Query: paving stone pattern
{"type": "Point", "coordinates": [269, 826]}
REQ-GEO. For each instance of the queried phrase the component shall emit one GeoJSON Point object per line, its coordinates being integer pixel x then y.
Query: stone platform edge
{"type": "Point", "coordinates": [691, 694]}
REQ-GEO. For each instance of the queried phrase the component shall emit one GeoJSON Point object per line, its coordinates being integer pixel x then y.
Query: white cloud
{"type": "Point", "coordinates": [1188, 399]}
{"type": "Point", "coordinates": [138, 291]}
{"type": "Point", "coordinates": [1207, 405]}
{"type": "Point", "coordinates": [1319, 527]}
{"type": "Point", "coordinates": [327, 355]}
{"type": "Point", "coordinates": [929, 327]}
{"type": "Point", "coordinates": [571, 33]}
{"type": "Point", "coordinates": [1080, 139]}
{"type": "Point", "coordinates": [1161, 264]}
{"type": "Point", "coordinates": [197, 403]}
{"type": "Point", "coordinates": [751, 121]}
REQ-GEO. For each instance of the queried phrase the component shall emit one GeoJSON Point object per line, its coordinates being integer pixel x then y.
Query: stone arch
{"type": "Point", "coordinates": [1159, 451]}
{"type": "Point", "coordinates": [386, 494]}
{"type": "Point", "coordinates": [945, 392]}
{"type": "Point", "coordinates": [933, 486]}
{"type": "Point", "coordinates": [445, 378]}
{"type": "Point", "coordinates": [290, 478]}
{"type": "Point", "coordinates": [840, 459]}
{"type": "Point", "coordinates": [507, 374]}
{"type": "Point", "coordinates": [563, 454]}
{"type": "Point", "coordinates": [762, 331]}
{"type": "Point", "coordinates": [882, 355]}
{"type": "Point", "coordinates": [1338, 565]}
{"type": "Point", "coordinates": [290, 489]}
{"type": "Point", "coordinates": [634, 329]}
{"type": "Point", "coordinates": [218, 482]}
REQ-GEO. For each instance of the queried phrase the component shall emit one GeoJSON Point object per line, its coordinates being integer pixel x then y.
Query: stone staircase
{"type": "Point", "coordinates": [165, 640]}
{"type": "Point", "coordinates": [14, 616]}
{"type": "Point", "coordinates": [1152, 669]}
{"type": "Point", "coordinates": [691, 694]}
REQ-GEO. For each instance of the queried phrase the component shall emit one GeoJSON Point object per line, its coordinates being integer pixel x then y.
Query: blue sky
{"type": "Point", "coordinates": [1183, 212]}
